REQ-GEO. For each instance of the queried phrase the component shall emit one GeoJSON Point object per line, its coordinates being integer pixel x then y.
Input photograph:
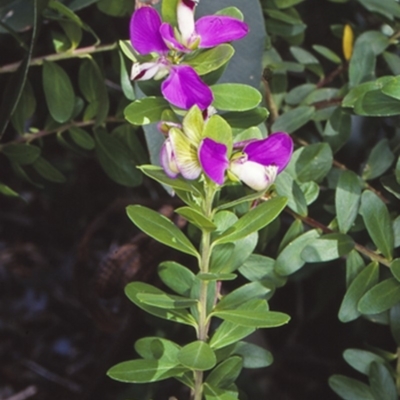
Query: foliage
{"type": "Point", "coordinates": [337, 94]}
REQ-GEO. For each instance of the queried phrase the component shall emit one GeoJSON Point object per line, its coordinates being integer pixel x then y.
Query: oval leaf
{"type": "Point", "coordinates": [197, 356]}
{"type": "Point", "coordinates": [235, 97]}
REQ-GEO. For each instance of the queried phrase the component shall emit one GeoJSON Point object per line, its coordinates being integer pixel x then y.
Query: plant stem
{"type": "Point", "coordinates": [82, 52]}
{"type": "Point", "coordinates": [205, 254]}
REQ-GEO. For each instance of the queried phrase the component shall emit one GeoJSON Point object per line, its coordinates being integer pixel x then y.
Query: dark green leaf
{"type": "Point", "coordinates": [293, 119]}
{"type": "Point", "coordinates": [24, 109]}
{"type": "Point", "coordinates": [387, 8]}
{"type": "Point", "coordinates": [337, 129]}
{"type": "Point", "coordinates": [379, 160]}
{"type": "Point", "coordinates": [349, 388]}
{"type": "Point", "coordinates": [226, 372]}
{"type": "Point", "coordinates": [246, 119]}
{"type": "Point", "coordinates": [47, 171]}
{"type": "Point", "coordinates": [22, 154]}
{"type": "Point", "coordinates": [299, 93]}
{"type": "Point", "coordinates": [160, 228]}
{"type": "Point", "coordinates": [176, 277]}
{"type": "Point", "coordinates": [354, 265]}
{"type": "Point", "coordinates": [362, 64]}
{"type": "Point", "coordinates": [155, 348]}
{"type": "Point", "coordinates": [167, 301]}
{"type": "Point", "coordinates": [253, 356]}
{"type": "Point", "coordinates": [377, 220]}
{"type": "Point", "coordinates": [116, 159]}
{"type": "Point", "coordinates": [347, 200]}
{"type": "Point", "coordinates": [116, 8]}
{"type": "Point", "coordinates": [361, 360]}
{"type": "Point", "coordinates": [380, 297]}
{"type": "Point", "coordinates": [366, 279]}
{"type": "Point", "coordinates": [196, 218]}
{"type": "Point", "coordinates": [58, 90]}
{"type": "Point", "coordinates": [81, 138]}
{"type": "Point", "coordinates": [395, 268]}
{"type": "Point", "coordinates": [327, 53]}
{"type": "Point", "coordinates": [382, 383]}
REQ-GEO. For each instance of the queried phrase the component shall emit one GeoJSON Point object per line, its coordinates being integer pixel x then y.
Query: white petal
{"type": "Point", "coordinates": [185, 16]}
{"type": "Point", "coordinates": [253, 174]}
{"type": "Point", "coordinates": [145, 71]}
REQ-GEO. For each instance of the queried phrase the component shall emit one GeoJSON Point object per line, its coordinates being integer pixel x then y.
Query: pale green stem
{"type": "Point", "coordinates": [82, 52]}
{"type": "Point", "coordinates": [205, 254]}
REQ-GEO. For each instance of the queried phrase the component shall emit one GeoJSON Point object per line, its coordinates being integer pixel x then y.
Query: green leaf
{"type": "Point", "coordinates": [146, 111]}
{"type": "Point", "coordinates": [281, 4]}
{"type": "Point", "coordinates": [376, 40]}
{"type": "Point", "coordinates": [197, 356]}
{"type": "Point", "coordinates": [337, 129]}
{"type": "Point", "coordinates": [257, 317]}
{"type": "Point", "coordinates": [347, 200]}
{"type": "Point", "coordinates": [216, 393]}
{"type": "Point", "coordinates": [390, 183]}
{"type": "Point", "coordinates": [310, 191]}
{"type": "Point", "coordinates": [299, 93]}
{"type": "Point", "coordinates": [249, 291]}
{"type": "Point", "coordinates": [23, 154]}
{"type": "Point", "coordinates": [254, 220]}
{"type": "Point", "coordinates": [364, 281]}
{"type": "Point", "coordinates": [394, 320]}
{"type": "Point", "coordinates": [228, 333]}
{"type": "Point", "coordinates": [225, 373]}
{"type": "Point", "coordinates": [167, 301]}
{"type": "Point", "coordinates": [361, 360]}
{"type": "Point", "coordinates": [168, 11]}
{"type": "Point", "coordinates": [155, 348]}
{"type": "Point", "coordinates": [289, 259]}
{"type": "Point", "coordinates": [379, 160]}
{"type": "Point", "coordinates": [246, 119]}
{"type": "Point", "coordinates": [210, 60]}
{"type": "Point", "coordinates": [328, 247]}
{"type": "Point", "coordinates": [293, 120]}
{"type": "Point", "coordinates": [126, 84]}
{"type": "Point", "coordinates": [380, 297]}
{"type": "Point", "coordinates": [93, 88]}
{"type": "Point", "coordinates": [286, 186]}
{"type": "Point", "coordinates": [116, 8]}
{"type": "Point", "coordinates": [7, 191]}
{"type": "Point", "coordinates": [158, 174]}
{"type": "Point", "coordinates": [362, 64]}
{"type": "Point", "coordinates": [216, 277]}
{"type": "Point", "coordinates": [327, 53]}
{"type": "Point", "coordinates": [196, 218]}
{"type": "Point", "coordinates": [395, 268]}
{"type": "Point", "coordinates": [176, 277]}
{"type": "Point", "coordinates": [377, 220]}
{"type": "Point", "coordinates": [47, 171]}
{"type": "Point", "coordinates": [392, 88]}
{"type": "Point", "coordinates": [382, 383]}
{"type": "Point", "coordinates": [160, 228]}
{"type": "Point", "coordinates": [142, 371]}
{"type": "Point", "coordinates": [235, 97]}
{"type": "Point", "coordinates": [311, 163]}
{"type": "Point", "coordinates": [133, 289]}
{"type": "Point", "coordinates": [393, 62]}
{"type": "Point", "coordinates": [376, 104]}
{"type": "Point", "coordinates": [322, 94]}
{"type": "Point", "coordinates": [253, 356]}
{"type": "Point", "coordinates": [58, 90]}
{"type": "Point", "coordinates": [116, 159]}
{"type": "Point", "coordinates": [294, 231]}
{"type": "Point", "coordinates": [349, 388]}
{"type": "Point", "coordinates": [387, 8]}
{"type": "Point", "coordinates": [354, 265]}
{"type": "Point", "coordinates": [81, 138]}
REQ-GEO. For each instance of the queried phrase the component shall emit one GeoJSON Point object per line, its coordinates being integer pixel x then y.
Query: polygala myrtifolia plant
{"type": "Point", "coordinates": [201, 161]}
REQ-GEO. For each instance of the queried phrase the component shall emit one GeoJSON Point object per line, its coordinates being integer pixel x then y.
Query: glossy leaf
{"type": "Point", "coordinates": [361, 360]}
{"type": "Point", "coordinates": [197, 356]}
{"type": "Point", "coordinates": [235, 97]}
{"type": "Point", "coordinates": [347, 200]}
{"type": "Point", "coordinates": [216, 393]}
{"type": "Point", "coordinates": [142, 371]}
{"type": "Point", "coordinates": [254, 220]}
{"type": "Point", "coordinates": [365, 280]}
{"type": "Point", "coordinates": [58, 90]}
{"type": "Point", "coordinates": [176, 277]}
{"type": "Point", "coordinates": [289, 259]}
{"type": "Point", "coordinates": [379, 160]}
{"type": "Point", "coordinates": [196, 218]}
{"type": "Point", "coordinates": [225, 373]}
{"type": "Point", "coordinates": [155, 348]}
{"type": "Point", "coordinates": [228, 333]}
{"type": "Point", "coordinates": [349, 388]}
{"type": "Point", "coordinates": [377, 220]}
{"type": "Point", "coordinates": [258, 317]}
{"type": "Point", "coordinates": [146, 111]}
{"type": "Point", "coordinates": [160, 228]}
{"type": "Point", "coordinates": [311, 163]}
{"type": "Point", "coordinates": [246, 119]}
{"type": "Point", "coordinates": [294, 119]}
{"type": "Point", "coordinates": [328, 247]}
{"type": "Point", "coordinates": [380, 297]}
{"type": "Point", "coordinates": [134, 288]}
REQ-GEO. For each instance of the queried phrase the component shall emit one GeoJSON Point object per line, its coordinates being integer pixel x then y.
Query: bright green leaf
{"type": "Point", "coordinates": [197, 356]}
{"type": "Point", "coordinates": [235, 97]}
{"type": "Point", "coordinates": [146, 111]}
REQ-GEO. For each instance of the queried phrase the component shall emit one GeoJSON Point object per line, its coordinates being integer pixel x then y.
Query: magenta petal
{"type": "Point", "coordinates": [145, 31]}
{"type": "Point", "coordinates": [183, 88]}
{"type": "Point", "coordinates": [215, 30]}
{"type": "Point", "coordinates": [276, 149]}
{"type": "Point", "coordinates": [167, 33]}
{"type": "Point", "coordinates": [213, 159]}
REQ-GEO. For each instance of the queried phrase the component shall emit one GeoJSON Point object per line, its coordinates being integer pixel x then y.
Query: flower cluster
{"type": "Point", "coordinates": [195, 146]}
{"type": "Point", "coordinates": [149, 35]}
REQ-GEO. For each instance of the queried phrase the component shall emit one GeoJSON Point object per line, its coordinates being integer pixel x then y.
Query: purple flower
{"type": "Point", "coordinates": [257, 164]}
{"type": "Point", "coordinates": [183, 87]}
{"type": "Point", "coordinates": [206, 32]}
